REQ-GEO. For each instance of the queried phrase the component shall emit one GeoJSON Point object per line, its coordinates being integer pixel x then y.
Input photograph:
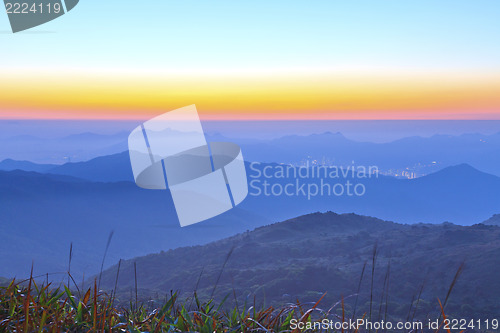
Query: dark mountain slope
{"type": "Point", "coordinates": [307, 256]}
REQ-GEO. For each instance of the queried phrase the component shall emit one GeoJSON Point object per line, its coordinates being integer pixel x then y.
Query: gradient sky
{"type": "Point", "coordinates": [368, 59]}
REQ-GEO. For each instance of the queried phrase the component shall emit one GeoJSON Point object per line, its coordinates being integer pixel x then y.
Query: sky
{"type": "Point", "coordinates": [251, 60]}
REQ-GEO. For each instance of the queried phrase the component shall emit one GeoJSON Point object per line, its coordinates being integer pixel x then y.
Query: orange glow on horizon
{"type": "Point", "coordinates": [251, 98]}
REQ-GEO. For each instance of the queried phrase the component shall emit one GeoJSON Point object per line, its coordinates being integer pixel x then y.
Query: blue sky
{"type": "Point", "coordinates": [262, 35]}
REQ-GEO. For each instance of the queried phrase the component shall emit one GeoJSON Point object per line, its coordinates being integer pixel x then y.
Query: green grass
{"type": "Point", "coordinates": [30, 308]}
{"type": "Point", "coordinates": [27, 307]}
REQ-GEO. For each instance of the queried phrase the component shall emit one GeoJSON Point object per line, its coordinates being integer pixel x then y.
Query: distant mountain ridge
{"type": "Point", "coordinates": [11, 165]}
{"type": "Point", "coordinates": [423, 154]}
{"type": "Point", "coordinates": [112, 168]}
{"type": "Point", "coordinates": [305, 257]}
{"type": "Point", "coordinates": [75, 199]}
{"type": "Point", "coordinates": [42, 214]}
{"type": "Point", "coordinates": [460, 194]}
{"type": "Point", "coordinates": [494, 220]}
{"type": "Point", "coordinates": [480, 151]}
{"type": "Point", "coordinates": [109, 168]}
{"type": "Point", "coordinates": [76, 147]}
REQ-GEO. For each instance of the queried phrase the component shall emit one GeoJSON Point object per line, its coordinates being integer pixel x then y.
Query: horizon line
{"type": "Point", "coordinates": [272, 118]}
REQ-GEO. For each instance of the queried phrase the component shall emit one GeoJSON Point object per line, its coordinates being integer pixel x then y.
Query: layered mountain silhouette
{"type": "Point", "coordinates": [427, 154]}
{"type": "Point", "coordinates": [438, 151]}
{"type": "Point", "coordinates": [112, 168]}
{"type": "Point", "coordinates": [108, 168]}
{"type": "Point", "coordinates": [77, 147]}
{"type": "Point", "coordinates": [43, 213]}
{"type": "Point", "coordinates": [47, 207]}
{"type": "Point", "coordinates": [305, 257]}
{"type": "Point", "coordinates": [460, 194]}
{"type": "Point", "coordinates": [11, 165]}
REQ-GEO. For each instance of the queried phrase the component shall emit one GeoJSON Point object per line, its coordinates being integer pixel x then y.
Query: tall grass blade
{"type": "Point", "coordinates": [135, 277]}
{"type": "Point", "coordinates": [70, 258]}
{"type": "Point", "coordinates": [104, 257]}
{"type": "Point", "coordinates": [222, 270]}
{"type": "Point", "coordinates": [358, 290]}
{"type": "Point", "coordinates": [374, 261]}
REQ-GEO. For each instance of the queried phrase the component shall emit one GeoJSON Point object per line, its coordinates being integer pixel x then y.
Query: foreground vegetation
{"type": "Point", "coordinates": [325, 252]}
{"type": "Point", "coordinates": [35, 306]}
{"type": "Point", "coordinates": [28, 307]}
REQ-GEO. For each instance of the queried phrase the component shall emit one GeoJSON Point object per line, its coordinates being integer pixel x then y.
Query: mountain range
{"type": "Point", "coordinates": [42, 214]}
{"type": "Point", "coordinates": [460, 194]}
{"type": "Point", "coordinates": [307, 256]}
{"type": "Point", "coordinates": [420, 155]}
{"type": "Point", "coordinates": [47, 207]}
{"type": "Point", "coordinates": [76, 147]}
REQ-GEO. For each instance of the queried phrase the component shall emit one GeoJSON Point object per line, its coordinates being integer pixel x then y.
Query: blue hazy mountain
{"type": "Point", "coordinates": [423, 154]}
{"type": "Point", "coordinates": [78, 147]}
{"type": "Point", "coordinates": [480, 151]}
{"type": "Point", "coordinates": [415, 154]}
{"type": "Point", "coordinates": [112, 168]}
{"type": "Point", "coordinates": [83, 202]}
{"type": "Point", "coordinates": [43, 213]}
{"type": "Point", "coordinates": [460, 194]}
{"type": "Point", "coordinates": [109, 168]}
{"type": "Point", "coordinates": [10, 165]}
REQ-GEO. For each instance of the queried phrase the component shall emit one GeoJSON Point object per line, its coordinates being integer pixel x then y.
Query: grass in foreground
{"type": "Point", "coordinates": [27, 307]}
{"type": "Point", "coordinates": [44, 309]}
{"type": "Point", "coordinates": [30, 308]}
